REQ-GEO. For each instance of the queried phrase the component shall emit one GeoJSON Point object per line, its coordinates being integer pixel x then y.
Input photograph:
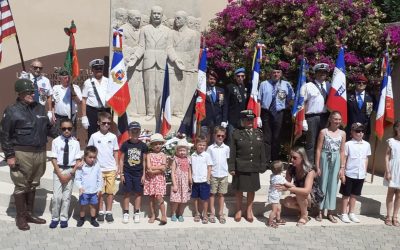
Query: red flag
{"type": "Point", "coordinates": [71, 62]}
{"type": "Point", "coordinates": [7, 26]}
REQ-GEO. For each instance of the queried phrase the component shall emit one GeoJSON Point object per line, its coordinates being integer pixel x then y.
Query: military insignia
{"type": "Point", "coordinates": [281, 94]}
{"type": "Point", "coordinates": [209, 93]}
{"type": "Point", "coordinates": [118, 76]}
{"type": "Point", "coordinates": [221, 98]}
{"type": "Point", "coordinates": [369, 108]}
{"type": "Point", "coordinates": [352, 98]}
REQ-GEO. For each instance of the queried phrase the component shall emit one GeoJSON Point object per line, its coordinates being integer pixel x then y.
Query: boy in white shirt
{"type": "Point", "coordinates": [353, 172]}
{"type": "Point", "coordinates": [201, 173]}
{"type": "Point", "coordinates": [219, 153]}
{"type": "Point", "coordinates": [66, 158]}
{"type": "Point", "coordinates": [107, 146]}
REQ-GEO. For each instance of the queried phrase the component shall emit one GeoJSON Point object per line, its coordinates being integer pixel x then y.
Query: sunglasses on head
{"type": "Point", "coordinates": [105, 123]}
{"type": "Point", "coordinates": [66, 128]}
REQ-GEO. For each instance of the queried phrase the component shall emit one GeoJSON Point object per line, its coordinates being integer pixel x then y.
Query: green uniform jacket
{"type": "Point", "coordinates": [247, 151]}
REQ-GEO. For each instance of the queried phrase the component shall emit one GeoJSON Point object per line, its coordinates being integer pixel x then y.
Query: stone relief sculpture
{"type": "Point", "coordinates": [121, 17]}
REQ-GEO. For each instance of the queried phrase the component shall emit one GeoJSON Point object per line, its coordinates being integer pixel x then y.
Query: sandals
{"type": "Point", "coordinates": [272, 224]}
{"type": "Point", "coordinates": [151, 220]}
{"type": "Point", "coordinates": [280, 221]}
{"type": "Point", "coordinates": [222, 219]}
{"type": "Point", "coordinates": [331, 218]}
{"type": "Point", "coordinates": [238, 216]}
{"type": "Point", "coordinates": [205, 220]}
{"type": "Point", "coordinates": [212, 218]}
{"type": "Point", "coordinates": [395, 222]}
{"type": "Point", "coordinates": [197, 218]}
{"type": "Point", "coordinates": [319, 217]}
{"type": "Point", "coordinates": [302, 222]}
{"type": "Point", "coordinates": [388, 221]}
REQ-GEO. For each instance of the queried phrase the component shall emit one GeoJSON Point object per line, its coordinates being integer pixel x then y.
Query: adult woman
{"type": "Point", "coordinates": [246, 161]}
{"type": "Point", "coordinates": [329, 156]}
{"type": "Point", "coordinates": [302, 174]}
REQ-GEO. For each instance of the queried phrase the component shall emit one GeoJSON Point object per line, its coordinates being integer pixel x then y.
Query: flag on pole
{"type": "Point", "coordinates": [188, 123]}
{"type": "Point", "coordinates": [118, 96]}
{"type": "Point", "coordinates": [200, 108]}
{"type": "Point", "coordinates": [71, 62]}
{"type": "Point", "coordinates": [298, 106]}
{"type": "Point", "coordinates": [165, 105]}
{"type": "Point", "coordinates": [337, 98]}
{"type": "Point", "coordinates": [7, 26]}
{"type": "Point", "coordinates": [385, 113]}
{"type": "Point", "coordinates": [253, 103]}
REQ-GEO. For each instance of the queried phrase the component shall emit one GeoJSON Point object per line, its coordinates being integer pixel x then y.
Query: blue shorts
{"type": "Point", "coordinates": [201, 190]}
{"type": "Point", "coordinates": [133, 182]}
{"type": "Point", "coordinates": [86, 199]}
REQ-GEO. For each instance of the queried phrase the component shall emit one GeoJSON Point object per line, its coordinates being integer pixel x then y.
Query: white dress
{"type": "Point", "coordinates": [394, 164]}
{"type": "Point", "coordinates": [274, 195]}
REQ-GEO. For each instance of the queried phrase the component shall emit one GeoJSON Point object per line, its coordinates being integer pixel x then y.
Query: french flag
{"type": "Point", "coordinates": [337, 98]}
{"type": "Point", "coordinates": [200, 108]}
{"type": "Point", "coordinates": [298, 106]}
{"type": "Point", "coordinates": [118, 96]}
{"type": "Point", "coordinates": [385, 113]}
{"type": "Point", "coordinates": [165, 106]}
{"type": "Point", "coordinates": [253, 103]}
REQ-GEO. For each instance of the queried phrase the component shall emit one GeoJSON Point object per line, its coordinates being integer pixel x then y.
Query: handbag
{"type": "Point", "coordinates": [317, 196]}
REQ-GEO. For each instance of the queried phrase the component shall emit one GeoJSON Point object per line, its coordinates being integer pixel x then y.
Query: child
{"type": "Point", "coordinates": [154, 182]}
{"type": "Point", "coordinates": [89, 180]}
{"type": "Point", "coordinates": [66, 157]}
{"type": "Point", "coordinates": [392, 176]}
{"type": "Point", "coordinates": [353, 174]}
{"type": "Point", "coordinates": [219, 153]}
{"type": "Point", "coordinates": [201, 173]}
{"type": "Point", "coordinates": [181, 173]}
{"type": "Point", "coordinates": [274, 195]}
{"type": "Point", "coordinates": [132, 163]}
{"type": "Point", "coordinates": [107, 145]}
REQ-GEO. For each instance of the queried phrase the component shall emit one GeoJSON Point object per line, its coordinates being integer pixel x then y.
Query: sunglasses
{"type": "Point", "coordinates": [37, 67]}
{"type": "Point", "coordinates": [66, 128]}
{"type": "Point", "coordinates": [240, 76]}
{"type": "Point", "coordinates": [359, 131]}
{"type": "Point", "coordinates": [361, 83]}
{"type": "Point", "coordinates": [28, 92]}
{"type": "Point", "coordinates": [105, 123]}
{"type": "Point", "coordinates": [98, 68]}
{"type": "Point", "coordinates": [220, 136]}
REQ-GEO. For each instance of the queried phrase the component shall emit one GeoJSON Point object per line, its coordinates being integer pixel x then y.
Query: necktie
{"type": "Point", "coordinates": [66, 153]}
{"type": "Point", "coordinates": [323, 92]}
{"type": "Point", "coordinates": [359, 101]}
{"type": "Point", "coordinates": [36, 90]}
{"type": "Point", "coordinates": [213, 94]}
{"type": "Point", "coordinates": [272, 106]}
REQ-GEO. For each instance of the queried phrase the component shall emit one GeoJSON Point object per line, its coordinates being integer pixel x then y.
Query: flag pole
{"type": "Point", "coordinates": [18, 44]}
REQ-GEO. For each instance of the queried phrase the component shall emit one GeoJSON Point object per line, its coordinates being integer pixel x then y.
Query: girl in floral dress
{"type": "Point", "coordinates": [154, 182]}
{"type": "Point", "coordinates": [181, 180]}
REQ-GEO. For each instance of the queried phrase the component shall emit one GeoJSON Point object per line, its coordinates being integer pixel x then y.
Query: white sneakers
{"type": "Point", "coordinates": [136, 218]}
{"type": "Point", "coordinates": [351, 217]}
{"type": "Point", "coordinates": [125, 218]}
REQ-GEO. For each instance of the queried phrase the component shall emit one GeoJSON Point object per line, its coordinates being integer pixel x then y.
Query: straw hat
{"type": "Point", "coordinates": [183, 143]}
{"type": "Point", "coordinates": [156, 138]}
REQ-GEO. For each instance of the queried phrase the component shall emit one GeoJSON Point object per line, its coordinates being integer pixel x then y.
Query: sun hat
{"type": "Point", "coordinates": [156, 138]}
{"type": "Point", "coordinates": [183, 143]}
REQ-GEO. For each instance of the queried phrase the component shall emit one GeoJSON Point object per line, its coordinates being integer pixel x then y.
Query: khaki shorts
{"type": "Point", "coordinates": [109, 182]}
{"type": "Point", "coordinates": [219, 185]}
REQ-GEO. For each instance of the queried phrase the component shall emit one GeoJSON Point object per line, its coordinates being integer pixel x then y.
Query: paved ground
{"type": "Point", "coordinates": [309, 237]}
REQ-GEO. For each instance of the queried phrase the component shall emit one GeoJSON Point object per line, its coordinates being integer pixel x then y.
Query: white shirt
{"type": "Point", "coordinates": [62, 100]}
{"type": "Point", "coordinates": [57, 150]}
{"type": "Point", "coordinates": [314, 101]}
{"type": "Point", "coordinates": [101, 88]}
{"type": "Point", "coordinates": [200, 163]}
{"type": "Point", "coordinates": [44, 87]}
{"type": "Point", "coordinates": [89, 178]}
{"type": "Point", "coordinates": [219, 156]}
{"type": "Point", "coordinates": [356, 153]}
{"type": "Point", "coordinates": [362, 95]}
{"type": "Point", "coordinates": [106, 145]}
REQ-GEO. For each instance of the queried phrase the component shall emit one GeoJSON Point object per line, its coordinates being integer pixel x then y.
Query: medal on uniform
{"type": "Point", "coordinates": [281, 95]}
{"type": "Point", "coordinates": [369, 108]}
{"type": "Point", "coordinates": [221, 98]}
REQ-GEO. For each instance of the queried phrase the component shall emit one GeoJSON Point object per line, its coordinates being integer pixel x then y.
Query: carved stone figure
{"type": "Point", "coordinates": [121, 17]}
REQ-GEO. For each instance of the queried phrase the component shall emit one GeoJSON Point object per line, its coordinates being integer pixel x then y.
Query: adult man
{"type": "Point", "coordinates": [275, 96]}
{"type": "Point", "coordinates": [135, 74]}
{"type": "Point", "coordinates": [23, 136]}
{"type": "Point", "coordinates": [94, 96]}
{"type": "Point", "coordinates": [42, 86]}
{"type": "Point", "coordinates": [215, 99]}
{"type": "Point", "coordinates": [153, 43]}
{"type": "Point", "coordinates": [121, 16]}
{"type": "Point", "coordinates": [360, 106]}
{"type": "Point", "coordinates": [315, 96]}
{"type": "Point", "coordinates": [236, 97]}
{"type": "Point", "coordinates": [183, 63]}
{"type": "Point", "coordinates": [62, 99]}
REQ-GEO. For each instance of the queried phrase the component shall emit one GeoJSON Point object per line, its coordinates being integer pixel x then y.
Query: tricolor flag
{"type": "Point", "coordinates": [298, 106]}
{"type": "Point", "coordinates": [71, 59]}
{"type": "Point", "coordinates": [385, 113]}
{"type": "Point", "coordinates": [165, 105]}
{"type": "Point", "coordinates": [337, 98]}
{"type": "Point", "coordinates": [253, 103]}
{"type": "Point", "coordinates": [118, 96]}
{"type": "Point", "coordinates": [200, 108]}
{"type": "Point", "coordinates": [7, 26]}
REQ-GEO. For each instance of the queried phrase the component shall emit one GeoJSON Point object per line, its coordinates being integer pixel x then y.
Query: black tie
{"type": "Point", "coordinates": [66, 153]}
{"type": "Point", "coordinates": [323, 92]}
{"type": "Point", "coordinates": [36, 89]}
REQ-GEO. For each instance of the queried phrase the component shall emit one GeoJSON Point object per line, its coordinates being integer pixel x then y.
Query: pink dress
{"type": "Point", "coordinates": [182, 181]}
{"type": "Point", "coordinates": [155, 184]}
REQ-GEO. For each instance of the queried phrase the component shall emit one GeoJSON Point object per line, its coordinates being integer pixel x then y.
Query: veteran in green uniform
{"type": "Point", "coordinates": [247, 160]}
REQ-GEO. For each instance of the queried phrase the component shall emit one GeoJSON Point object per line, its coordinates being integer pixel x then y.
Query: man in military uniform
{"type": "Point", "coordinates": [360, 106]}
{"type": "Point", "coordinates": [275, 95]}
{"type": "Point", "coordinates": [23, 136]}
{"type": "Point", "coordinates": [236, 98]}
{"type": "Point", "coordinates": [246, 162]}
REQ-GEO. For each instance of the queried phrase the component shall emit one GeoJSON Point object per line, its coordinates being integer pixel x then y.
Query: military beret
{"type": "Point", "coordinates": [240, 70]}
{"type": "Point", "coordinates": [321, 67]}
{"type": "Point", "coordinates": [96, 62]}
{"type": "Point", "coordinates": [212, 73]}
{"type": "Point", "coordinates": [63, 72]}
{"type": "Point", "coordinates": [247, 114]}
{"type": "Point", "coordinates": [360, 78]}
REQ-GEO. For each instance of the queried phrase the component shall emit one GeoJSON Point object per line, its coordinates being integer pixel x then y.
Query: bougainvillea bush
{"type": "Point", "coordinates": [291, 29]}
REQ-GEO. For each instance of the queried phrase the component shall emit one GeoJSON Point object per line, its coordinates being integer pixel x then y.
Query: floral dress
{"type": "Point", "coordinates": [182, 180]}
{"type": "Point", "coordinates": [154, 184]}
